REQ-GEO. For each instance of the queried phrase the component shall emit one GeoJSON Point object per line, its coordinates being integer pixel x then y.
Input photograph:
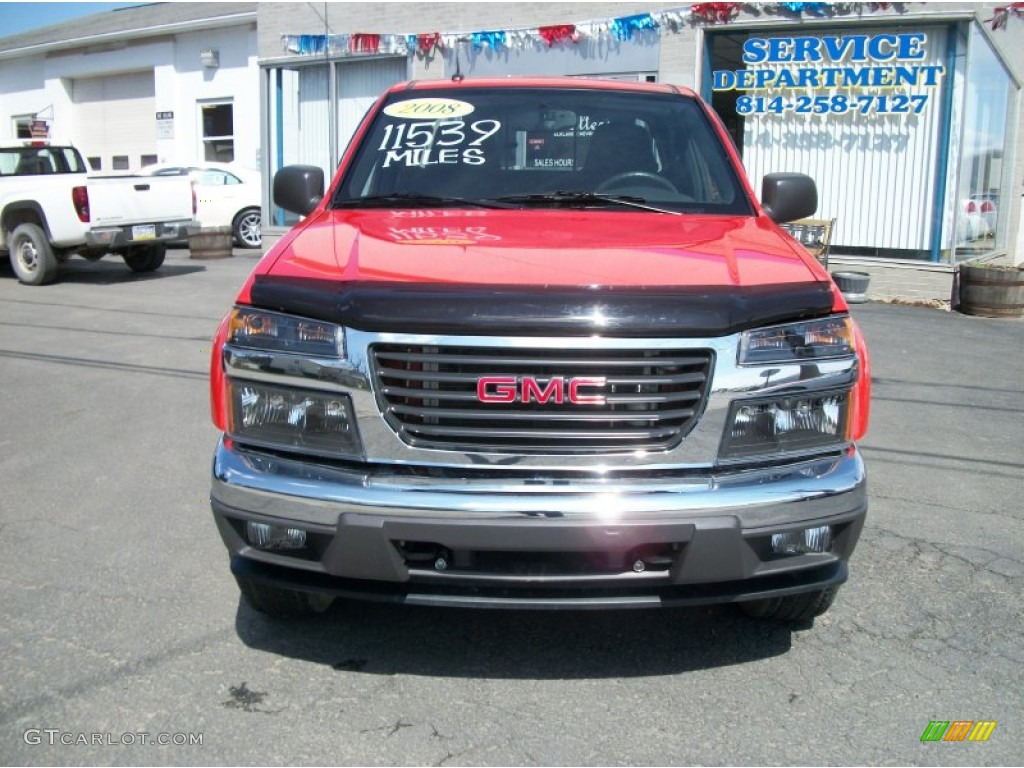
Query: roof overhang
{"type": "Point", "coordinates": [128, 35]}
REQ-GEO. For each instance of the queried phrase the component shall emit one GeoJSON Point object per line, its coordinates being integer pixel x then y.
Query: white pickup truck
{"type": "Point", "coordinates": [50, 209]}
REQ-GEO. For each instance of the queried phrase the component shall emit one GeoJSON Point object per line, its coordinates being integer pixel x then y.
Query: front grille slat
{"type": "Point", "coordinates": [647, 399]}
{"type": "Point", "coordinates": [672, 397]}
{"type": "Point", "coordinates": [561, 434]}
{"type": "Point", "coordinates": [456, 378]}
{"type": "Point", "coordinates": [552, 415]}
{"type": "Point", "coordinates": [526, 362]}
{"type": "Point", "coordinates": [530, 447]}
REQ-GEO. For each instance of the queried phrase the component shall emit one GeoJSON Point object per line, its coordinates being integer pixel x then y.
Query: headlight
{"type": "Point", "coordinates": [293, 419]}
{"type": "Point", "coordinates": [260, 329]}
{"type": "Point", "coordinates": [786, 424]}
{"type": "Point", "coordinates": [797, 342]}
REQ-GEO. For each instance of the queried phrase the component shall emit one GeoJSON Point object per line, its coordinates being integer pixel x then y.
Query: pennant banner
{"type": "Point", "coordinates": [426, 45]}
{"type": "Point", "coordinates": [557, 33]}
{"type": "Point", "coordinates": [624, 27]}
{"type": "Point", "coordinates": [495, 40]}
{"type": "Point", "coordinates": [1004, 12]}
{"type": "Point", "coordinates": [814, 9]}
{"type": "Point", "coordinates": [362, 43]}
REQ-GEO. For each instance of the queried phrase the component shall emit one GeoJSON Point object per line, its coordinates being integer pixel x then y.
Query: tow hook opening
{"type": "Point", "coordinates": [426, 556]}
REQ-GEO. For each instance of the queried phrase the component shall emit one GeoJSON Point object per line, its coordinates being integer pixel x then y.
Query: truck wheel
{"type": "Point", "coordinates": [31, 255]}
{"type": "Point", "coordinates": [282, 603]}
{"type": "Point", "coordinates": [246, 227]}
{"type": "Point", "coordinates": [793, 608]}
{"type": "Point", "coordinates": [145, 259]}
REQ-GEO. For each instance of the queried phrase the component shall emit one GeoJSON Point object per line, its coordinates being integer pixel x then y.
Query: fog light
{"type": "Point", "coordinates": [263, 536]}
{"type": "Point", "coordinates": [799, 423]}
{"type": "Point", "coordinates": [801, 542]}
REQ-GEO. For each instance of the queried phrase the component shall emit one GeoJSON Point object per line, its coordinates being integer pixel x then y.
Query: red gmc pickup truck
{"type": "Point", "coordinates": [538, 345]}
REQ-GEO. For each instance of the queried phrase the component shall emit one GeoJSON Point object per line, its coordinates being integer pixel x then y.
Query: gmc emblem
{"type": "Point", "coordinates": [530, 389]}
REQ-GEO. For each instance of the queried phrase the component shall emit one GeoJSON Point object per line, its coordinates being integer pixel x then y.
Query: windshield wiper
{"type": "Point", "coordinates": [562, 197]}
{"type": "Point", "coordinates": [412, 199]}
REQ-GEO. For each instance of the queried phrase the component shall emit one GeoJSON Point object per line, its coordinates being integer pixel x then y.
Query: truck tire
{"type": "Point", "coordinates": [246, 228]}
{"type": "Point", "coordinates": [146, 258]}
{"type": "Point", "coordinates": [794, 608]}
{"type": "Point", "coordinates": [31, 255]}
{"type": "Point", "coordinates": [281, 603]}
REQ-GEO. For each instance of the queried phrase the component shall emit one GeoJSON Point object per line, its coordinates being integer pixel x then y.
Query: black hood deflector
{"type": "Point", "coordinates": [518, 310]}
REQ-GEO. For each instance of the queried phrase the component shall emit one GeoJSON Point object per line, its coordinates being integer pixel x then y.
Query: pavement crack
{"type": "Point", "coordinates": [948, 507]}
{"type": "Point", "coordinates": [918, 546]}
{"type": "Point", "coordinates": [390, 730]}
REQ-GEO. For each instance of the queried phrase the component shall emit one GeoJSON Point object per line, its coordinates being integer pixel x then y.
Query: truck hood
{"type": "Point", "coordinates": [543, 247]}
{"type": "Point", "coordinates": [540, 273]}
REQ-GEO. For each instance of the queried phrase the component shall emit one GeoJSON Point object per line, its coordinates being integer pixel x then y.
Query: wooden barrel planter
{"type": "Point", "coordinates": [991, 291]}
{"type": "Point", "coordinates": [210, 242]}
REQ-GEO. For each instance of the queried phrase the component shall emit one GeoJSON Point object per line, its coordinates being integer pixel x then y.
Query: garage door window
{"type": "Point", "coordinates": [218, 132]}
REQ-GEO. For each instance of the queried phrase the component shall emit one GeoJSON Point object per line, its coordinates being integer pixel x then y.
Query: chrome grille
{"type": "Point", "coordinates": [428, 395]}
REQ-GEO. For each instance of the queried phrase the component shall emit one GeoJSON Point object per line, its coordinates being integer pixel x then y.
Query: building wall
{"type": "Point", "coordinates": [22, 91]}
{"type": "Point", "coordinates": [187, 81]}
{"type": "Point", "coordinates": [42, 83]}
{"type": "Point", "coordinates": [907, 282]}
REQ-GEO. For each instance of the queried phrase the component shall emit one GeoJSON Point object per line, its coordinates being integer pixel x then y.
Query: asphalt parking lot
{"type": "Point", "coordinates": [120, 617]}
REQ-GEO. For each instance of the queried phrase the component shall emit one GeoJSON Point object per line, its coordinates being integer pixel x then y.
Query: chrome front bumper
{"type": "Point", "coordinates": [715, 528]}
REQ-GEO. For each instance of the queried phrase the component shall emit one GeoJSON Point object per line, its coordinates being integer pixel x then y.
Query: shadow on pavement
{"type": "Point", "coordinates": [109, 271]}
{"type": "Point", "coordinates": [380, 639]}
{"type": "Point", "coordinates": [113, 272]}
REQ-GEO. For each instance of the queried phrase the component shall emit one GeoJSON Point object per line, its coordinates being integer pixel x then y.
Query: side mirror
{"type": "Point", "coordinates": [299, 188]}
{"type": "Point", "coordinates": [788, 196]}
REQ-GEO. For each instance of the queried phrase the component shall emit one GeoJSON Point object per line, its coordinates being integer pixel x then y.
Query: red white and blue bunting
{"type": "Point", "coordinates": [428, 44]}
{"type": "Point", "coordinates": [1004, 12]}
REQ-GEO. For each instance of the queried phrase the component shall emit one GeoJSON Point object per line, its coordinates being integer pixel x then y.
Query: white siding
{"type": "Point", "coordinates": [306, 119]}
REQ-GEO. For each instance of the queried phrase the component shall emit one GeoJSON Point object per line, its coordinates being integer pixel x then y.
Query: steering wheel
{"type": "Point", "coordinates": [640, 176]}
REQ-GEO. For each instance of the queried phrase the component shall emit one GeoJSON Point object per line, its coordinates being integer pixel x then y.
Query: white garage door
{"type": "Point", "coordinates": [359, 85]}
{"type": "Point", "coordinates": [115, 120]}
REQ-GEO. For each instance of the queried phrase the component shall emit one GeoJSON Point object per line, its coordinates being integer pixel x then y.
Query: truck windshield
{"type": "Point", "coordinates": [542, 147]}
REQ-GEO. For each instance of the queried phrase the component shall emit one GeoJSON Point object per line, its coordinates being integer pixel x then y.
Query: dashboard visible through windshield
{"type": "Point", "coordinates": [542, 147]}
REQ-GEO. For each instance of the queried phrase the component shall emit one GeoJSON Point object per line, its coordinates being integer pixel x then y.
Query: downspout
{"type": "Point", "coordinates": [279, 122]}
{"type": "Point", "coordinates": [942, 166]}
{"type": "Point", "coordinates": [705, 73]}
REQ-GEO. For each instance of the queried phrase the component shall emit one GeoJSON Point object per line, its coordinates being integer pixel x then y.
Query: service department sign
{"type": "Point", "coordinates": [833, 74]}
